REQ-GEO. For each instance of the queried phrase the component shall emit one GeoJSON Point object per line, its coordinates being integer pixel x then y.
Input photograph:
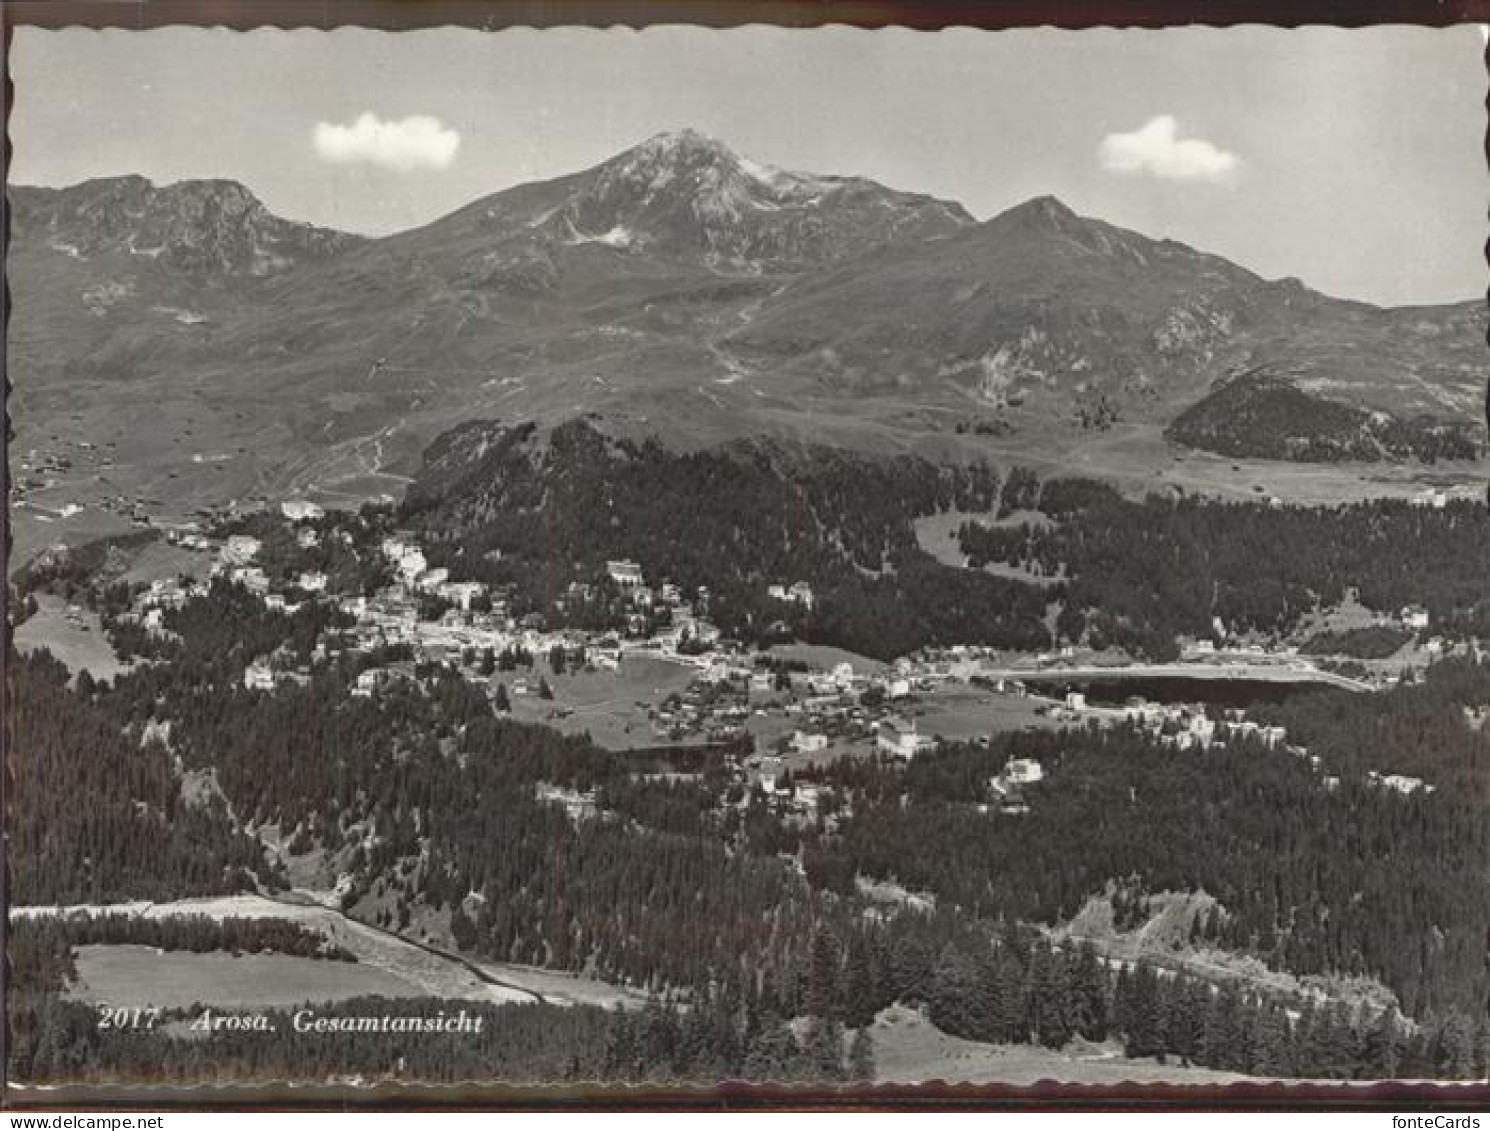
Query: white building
{"type": "Point", "coordinates": [312, 581]}
{"type": "Point", "coordinates": [1414, 616]}
{"type": "Point", "coordinates": [252, 578]}
{"type": "Point", "coordinates": [430, 580]}
{"type": "Point", "coordinates": [797, 594]}
{"type": "Point", "coordinates": [300, 510]}
{"type": "Point", "coordinates": [259, 676]}
{"type": "Point", "coordinates": [461, 593]}
{"type": "Point", "coordinates": [407, 558]}
{"type": "Point", "coordinates": [240, 549]}
{"type": "Point", "coordinates": [1023, 771]}
{"type": "Point", "coordinates": [624, 571]}
{"type": "Point", "coordinates": [805, 743]}
{"type": "Point", "coordinates": [900, 739]}
{"type": "Point", "coordinates": [1399, 782]}
{"type": "Point", "coordinates": [368, 680]}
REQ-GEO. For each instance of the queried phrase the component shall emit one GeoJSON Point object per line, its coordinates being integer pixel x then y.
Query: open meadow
{"type": "Point", "coordinates": [73, 635]}
{"type": "Point", "coordinates": [601, 703]}
{"type": "Point", "coordinates": [129, 977]}
{"type": "Point", "coordinates": [908, 1049]}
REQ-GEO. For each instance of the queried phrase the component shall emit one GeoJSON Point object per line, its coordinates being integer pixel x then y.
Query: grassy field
{"type": "Point", "coordinates": [825, 658]}
{"type": "Point", "coordinates": [76, 639]}
{"type": "Point", "coordinates": [908, 1049]}
{"type": "Point", "coordinates": [33, 530]}
{"type": "Point", "coordinates": [937, 535]}
{"type": "Point", "coordinates": [559, 988]}
{"type": "Point", "coordinates": [160, 561]}
{"type": "Point", "coordinates": [1140, 460]}
{"type": "Point", "coordinates": [386, 964]}
{"type": "Point", "coordinates": [602, 703]}
{"type": "Point", "coordinates": [376, 951]}
{"type": "Point", "coordinates": [139, 976]}
{"type": "Point", "coordinates": [960, 711]}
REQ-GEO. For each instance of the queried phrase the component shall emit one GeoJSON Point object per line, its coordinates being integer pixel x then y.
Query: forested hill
{"type": "Point", "coordinates": [1264, 416]}
{"type": "Point", "coordinates": [1063, 561]}
{"type": "Point", "coordinates": [104, 816]}
{"type": "Point", "coordinates": [517, 506]}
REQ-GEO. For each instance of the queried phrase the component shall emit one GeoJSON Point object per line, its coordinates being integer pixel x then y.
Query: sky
{"type": "Point", "coordinates": [1353, 160]}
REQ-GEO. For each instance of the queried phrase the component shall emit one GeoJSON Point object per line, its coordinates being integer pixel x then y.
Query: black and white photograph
{"type": "Point", "coordinates": [803, 560]}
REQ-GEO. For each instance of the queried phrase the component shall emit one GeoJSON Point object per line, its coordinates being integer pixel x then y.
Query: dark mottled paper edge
{"type": "Point", "coordinates": [491, 15]}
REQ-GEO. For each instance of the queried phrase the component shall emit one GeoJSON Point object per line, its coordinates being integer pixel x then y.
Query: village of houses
{"type": "Point", "coordinates": [686, 686]}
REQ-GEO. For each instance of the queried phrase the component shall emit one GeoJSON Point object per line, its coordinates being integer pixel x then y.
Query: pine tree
{"type": "Point", "coordinates": [861, 1057]}
{"type": "Point", "coordinates": [1004, 982]}
{"type": "Point", "coordinates": [958, 999]}
{"type": "Point", "coordinates": [1272, 1042]}
{"type": "Point", "coordinates": [820, 994]}
{"type": "Point", "coordinates": [1050, 998]}
{"type": "Point", "coordinates": [858, 992]}
{"type": "Point", "coordinates": [1184, 1029]}
{"type": "Point", "coordinates": [1144, 1024]}
{"type": "Point", "coordinates": [773, 1055]}
{"type": "Point", "coordinates": [1455, 1047]}
{"type": "Point", "coordinates": [911, 963]}
{"type": "Point", "coordinates": [823, 1051]}
{"type": "Point", "coordinates": [1089, 989]}
{"type": "Point", "coordinates": [1223, 1042]}
{"type": "Point", "coordinates": [1382, 1049]}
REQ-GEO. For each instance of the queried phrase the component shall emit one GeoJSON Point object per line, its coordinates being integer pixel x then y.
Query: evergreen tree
{"type": "Point", "coordinates": [1050, 998]}
{"type": "Point", "coordinates": [823, 1051]}
{"type": "Point", "coordinates": [1143, 1033]}
{"type": "Point", "coordinates": [1005, 984]}
{"type": "Point", "coordinates": [820, 995]}
{"type": "Point", "coordinates": [773, 1055]}
{"type": "Point", "coordinates": [1454, 1047]}
{"type": "Point", "coordinates": [861, 1057]}
{"type": "Point", "coordinates": [858, 995]}
{"type": "Point", "coordinates": [1383, 1046]}
{"type": "Point", "coordinates": [1089, 990]}
{"type": "Point", "coordinates": [958, 999]}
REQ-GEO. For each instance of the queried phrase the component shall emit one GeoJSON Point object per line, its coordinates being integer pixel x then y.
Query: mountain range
{"type": "Point", "coordinates": [677, 289]}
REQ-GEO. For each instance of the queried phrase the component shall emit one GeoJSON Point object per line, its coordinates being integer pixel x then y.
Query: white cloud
{"type": "Point", "coordinates": [416, 142]}
{"type": "Point", "coordinates": [1156, 149]}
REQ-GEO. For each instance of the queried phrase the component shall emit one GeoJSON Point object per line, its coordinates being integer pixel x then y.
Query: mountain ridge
{"type": "Point", "coordinates": [677, 289]}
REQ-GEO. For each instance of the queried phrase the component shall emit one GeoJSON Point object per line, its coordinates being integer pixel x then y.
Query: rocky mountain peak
{"type": "Point", "coordinates": [685, 194]}
{"type": "Point", "coordinates": [200, 226]}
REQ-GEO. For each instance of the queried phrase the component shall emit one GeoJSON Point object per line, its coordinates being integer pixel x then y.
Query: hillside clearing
{"type": "Point", "coordinates": [908, 1049]}
{"type": "Point", "coordinates": [74, 637]}
{"type": "Point", "coordinates": [128, 977]}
